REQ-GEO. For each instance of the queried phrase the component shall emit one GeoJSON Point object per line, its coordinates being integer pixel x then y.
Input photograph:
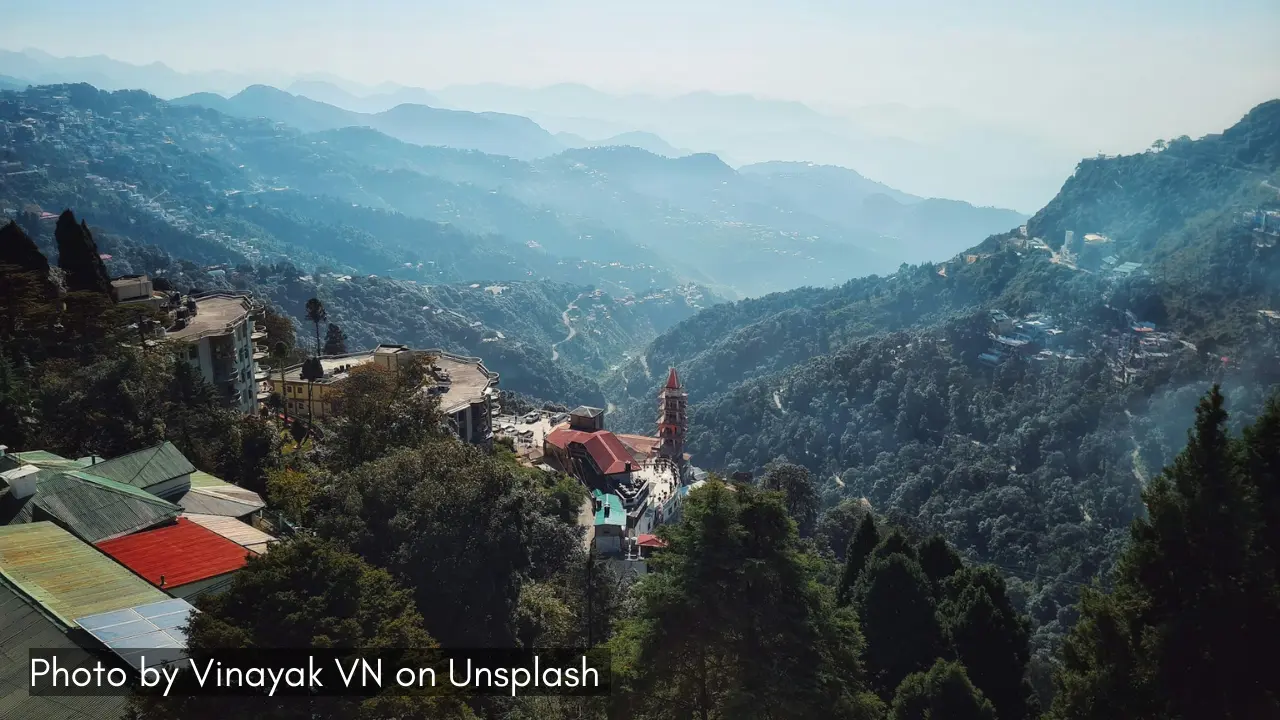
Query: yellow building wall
{"type": "Point", "coordinates": [294, 394]}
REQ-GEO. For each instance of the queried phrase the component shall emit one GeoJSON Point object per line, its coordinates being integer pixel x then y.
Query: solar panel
{"type": "Point", "coordinates": [132, 632]}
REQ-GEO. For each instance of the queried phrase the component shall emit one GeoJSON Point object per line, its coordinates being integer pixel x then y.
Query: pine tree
{"type": "Point", "coordinates": [732, 624]}
{"type": "Point", "coordinates": [335, 341]}
{"type": "Point", "coordinates": [316, 314]}
{"type": "Point", "coordinates": [894, 541]}
{"type": "Point", "coordinates": [1194, 605]}
{"type": "Point", "coordinates": [896, 606]}
{"type": "Point", "coordinates": [798, 491]}
{"type": "Point", "coordinates": [18, 249]}
{"type": "Point", "coordinates": [855, 558]}
{"type": "Point", "coordinates": [943, 693]}
{"type": "Point", "coordinates": [1262, 448]}
{"type": "Point", "coordinates": [991, 639]}
{"type": "Point", "coordinates": [78, 256]}
{"type": "Point", "coordinates": [938, 561]}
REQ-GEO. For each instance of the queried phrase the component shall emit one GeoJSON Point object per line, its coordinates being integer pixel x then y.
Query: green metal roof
{"type": "Point", "coordinates": [41, 459]}
{"type": "Point", "coordinates": [23, 627]}
{"type": "Point", "coordinates": [145, 468]}
{"type": "Point", "coordinates": [616, 516]}
{"type": "Point", "coordinates": [66, 576]}
{"type": "Point", "coordinates": [96, 508]}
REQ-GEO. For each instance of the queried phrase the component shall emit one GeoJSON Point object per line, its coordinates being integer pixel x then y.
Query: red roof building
{"type": "Point", "coordinates": [177, 555]}
{"type": "Point", "coordinates": [646, 540]}
{"type": "Point", "coordinates": [606, 451]}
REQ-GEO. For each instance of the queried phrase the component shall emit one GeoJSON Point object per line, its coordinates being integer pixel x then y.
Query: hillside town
{"type": "Point", "coordinates": [108, 554]}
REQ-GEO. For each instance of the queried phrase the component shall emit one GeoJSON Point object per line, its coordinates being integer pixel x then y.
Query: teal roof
{"type": "Point", "coordinates": [146, 468]}
{"type": "Point", "coordinates": [96, 508]}
{"type": "Point", "coordinates": [613, 503]}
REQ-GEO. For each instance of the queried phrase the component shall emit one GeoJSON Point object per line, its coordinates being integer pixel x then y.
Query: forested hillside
{"type": "Point", "coordinates": [756, 606]}
{"type": "Point", "coordinates": [878, 387]}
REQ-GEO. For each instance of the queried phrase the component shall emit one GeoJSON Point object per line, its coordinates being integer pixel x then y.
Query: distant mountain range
{"type": "Point", "coordinates": [494, 133]}
{"type": "Point", "coordinates": [331, 93]}
{"type": "Point", "coordinates": [815, 201]}
{"type": "Point", "coordinates": [933, 152]}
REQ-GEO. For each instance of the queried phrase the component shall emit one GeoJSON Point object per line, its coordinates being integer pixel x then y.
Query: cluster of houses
{"type": "Point", "coordinates": [105, 555]}
{"type": "Point", "coordinates": [1035, 335]}
{"type": "Point", "coordinates": [1140, 348]}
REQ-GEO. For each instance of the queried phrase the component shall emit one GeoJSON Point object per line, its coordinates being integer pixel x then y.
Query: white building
{"type": "Point", "coordinates": [219, 333]}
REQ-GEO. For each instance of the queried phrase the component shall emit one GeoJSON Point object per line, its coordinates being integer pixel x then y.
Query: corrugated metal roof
{"type": "Point", "coordinates": [202, 479]}
{"type": "Point", "coordinates": [208, 502]}
{"type": "Point", "coordinates": [95, 508]}
{"type": "Point", "coordinates": [146, 468]}
{"type": "Point", "coordinates": [41, 459]}
{"type": "Point", "coordinates": [23, 627]}
{"type": "Point", "coordinates": [66, 576]}
{"type": "Point", "coordinates": [180, 553]}
{"type": "Point", "coordinates": [242, 534]}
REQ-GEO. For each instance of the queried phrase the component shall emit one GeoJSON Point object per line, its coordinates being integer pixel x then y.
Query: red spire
{"type": "Point", "coordinates": [673, 382]}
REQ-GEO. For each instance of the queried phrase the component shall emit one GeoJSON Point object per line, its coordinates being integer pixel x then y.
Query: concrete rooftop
{"type": "Point", "coordinates": [213, 315]}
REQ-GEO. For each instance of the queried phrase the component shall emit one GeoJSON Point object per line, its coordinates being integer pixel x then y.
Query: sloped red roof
{"type": "Point", "coordinates": [561, 436]}
{"type": "Point", "coordinates": [183, 553]}
{"type": "Point", "coordinates": [608, 452]}
{"type": "Point", "coordinates": [673, 382]}
{"type": "Point", "coordinates": [647, 540]}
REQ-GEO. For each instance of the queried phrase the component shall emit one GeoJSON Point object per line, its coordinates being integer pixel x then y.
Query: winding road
{"type": "Point", "coordinates": [564, 317]}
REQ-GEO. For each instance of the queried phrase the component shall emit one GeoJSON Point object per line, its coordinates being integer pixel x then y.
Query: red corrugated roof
{"type": "Point", "coordinates": [183, 553]}
{"type": "Point", "coordinates": [608, 452]}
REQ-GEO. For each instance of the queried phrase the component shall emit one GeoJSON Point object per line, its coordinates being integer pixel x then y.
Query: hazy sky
{"type": "Point", "coordinates": [1101, 74]}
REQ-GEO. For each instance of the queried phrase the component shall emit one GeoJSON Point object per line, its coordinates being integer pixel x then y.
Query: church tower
{"type": "Point", "coordinates": [673, 421]}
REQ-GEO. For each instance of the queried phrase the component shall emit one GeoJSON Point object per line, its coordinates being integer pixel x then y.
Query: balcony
{"type": "Point", "coordinates": [261, 375]}
{"type": "Point", "coordinates": [259, 355]}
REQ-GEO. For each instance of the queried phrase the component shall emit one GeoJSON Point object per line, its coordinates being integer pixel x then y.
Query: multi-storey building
{"type": "Point", "coordinates": [218, 331]}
